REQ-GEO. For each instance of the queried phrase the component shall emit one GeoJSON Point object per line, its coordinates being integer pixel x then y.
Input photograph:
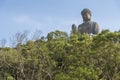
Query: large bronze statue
{"type": "Point", "coordinates": [88, 26]}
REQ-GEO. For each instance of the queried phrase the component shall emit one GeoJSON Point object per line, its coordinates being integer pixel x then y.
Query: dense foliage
{"type": "Point", "coordinates": [63, 57]}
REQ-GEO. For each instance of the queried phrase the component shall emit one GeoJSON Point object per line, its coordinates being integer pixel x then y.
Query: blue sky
{"type": "Point", "coordinates": [51, 15]}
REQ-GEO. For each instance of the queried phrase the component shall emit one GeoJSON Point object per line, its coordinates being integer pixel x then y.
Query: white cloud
{"type": "Point", "coordinates": [26, 20]}
{"type": "Point", "coordinates": [21, 19]}
{"type": "Point", "coordinates": [45, 23]}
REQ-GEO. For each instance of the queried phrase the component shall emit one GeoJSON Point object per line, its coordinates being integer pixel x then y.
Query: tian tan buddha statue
{"type": "Point", "coordinates": [87, 26]}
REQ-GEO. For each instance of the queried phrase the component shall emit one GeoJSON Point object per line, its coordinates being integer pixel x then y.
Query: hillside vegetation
{"type": "Point", "coordinates": [63, 57]}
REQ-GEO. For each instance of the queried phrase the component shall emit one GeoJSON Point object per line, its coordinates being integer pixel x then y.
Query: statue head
{"type": "Point", "coordinates": [86, 14]}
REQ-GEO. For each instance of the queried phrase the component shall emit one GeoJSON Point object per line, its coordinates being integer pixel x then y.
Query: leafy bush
{"type": "Point", "coordinates": [63, 57]}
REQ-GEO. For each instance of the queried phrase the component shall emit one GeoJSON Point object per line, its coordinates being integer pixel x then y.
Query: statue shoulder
{"type": "Point", "coordinates": [80, 25]}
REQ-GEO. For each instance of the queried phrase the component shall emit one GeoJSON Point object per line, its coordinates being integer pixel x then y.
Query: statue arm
{"type": "Point", "coordinates": [74, 29]}
{"type": "Point", "coordinates": [96, 28]}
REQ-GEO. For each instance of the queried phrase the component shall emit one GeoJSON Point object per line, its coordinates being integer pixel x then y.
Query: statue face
{"type": "Point", "coordinates": [86, 16]}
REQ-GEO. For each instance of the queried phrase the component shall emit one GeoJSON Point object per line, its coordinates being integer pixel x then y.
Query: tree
{"type": "Point", "coordinates": [62, 57]}
{"type": "Point", "coordinates": [3, 42]}
{"type": "Point", "coordinates": [19, 37]}
{"type": "Point", "coordinates": [37, 35]}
